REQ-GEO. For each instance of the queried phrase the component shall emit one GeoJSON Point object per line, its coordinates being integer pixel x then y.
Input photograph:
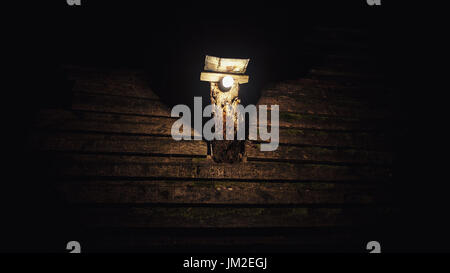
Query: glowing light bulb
{"type": "Point", "coordinates": [227, 81]}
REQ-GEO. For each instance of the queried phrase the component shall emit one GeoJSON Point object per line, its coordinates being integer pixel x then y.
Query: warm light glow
{"type": "Point", "coordinates": [227, 81]}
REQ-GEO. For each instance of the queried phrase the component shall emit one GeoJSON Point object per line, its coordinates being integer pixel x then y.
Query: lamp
{"type": "Point", "coordinates": [225, 75]}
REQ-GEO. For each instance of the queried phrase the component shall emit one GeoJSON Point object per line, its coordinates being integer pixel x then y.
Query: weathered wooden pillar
{"type": "Point", "coordinates": [225, 75]}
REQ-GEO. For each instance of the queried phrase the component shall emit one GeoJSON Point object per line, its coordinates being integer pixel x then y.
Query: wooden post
{"type": "Point", "coordinates": [226, 98]}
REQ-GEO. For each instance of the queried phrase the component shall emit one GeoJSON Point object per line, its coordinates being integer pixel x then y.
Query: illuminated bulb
{"type": "Point", "coordinates": [227, 81]}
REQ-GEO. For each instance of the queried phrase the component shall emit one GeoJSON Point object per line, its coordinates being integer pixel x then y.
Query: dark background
{"type": "Point", "coordinates": [169, 41]}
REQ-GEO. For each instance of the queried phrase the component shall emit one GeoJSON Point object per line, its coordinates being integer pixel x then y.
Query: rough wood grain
{"type": "Point", "coordinates": [107, 143]}
{"type": "Point", "coordinates": [118, 104]}
{"type": "Point", "coordinates": [204, 217]}
{"type": "Point", "coordinates": [130, 124]}
{"type": "Point", "coordinates": [217, 192]}
{"type": "Point", "coordinates": [56, 119]}
{"type": "Point", "coordinates": [308, 88]}
{"type": "Point", "coordinates": [69, 120]}
{"type": "Point", "coordinates": [319, 154]}
{"type": "Point", "coordinates": [147, 145]}
{"type": "Point", "coordinates": [321, 107]}
{"type": "Point", "coordinates": [318, 122]}
{"type": "Point", "coordinates": [360, 140]}
{"type": "Point", "coordinates": [184, 168]}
